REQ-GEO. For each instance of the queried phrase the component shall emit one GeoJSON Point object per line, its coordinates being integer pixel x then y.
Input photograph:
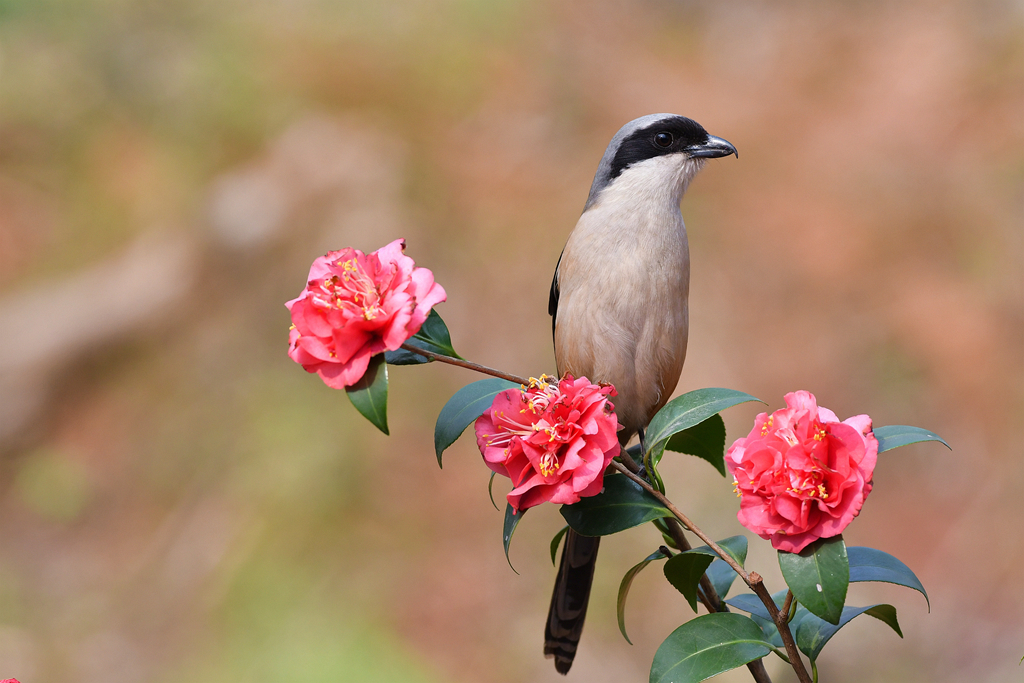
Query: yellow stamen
{"type": "Point", "coordinates": [548, 465]}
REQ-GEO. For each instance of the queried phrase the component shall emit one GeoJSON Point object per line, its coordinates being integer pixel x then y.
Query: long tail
{"type": "Point", "coordinates": [570, 598]}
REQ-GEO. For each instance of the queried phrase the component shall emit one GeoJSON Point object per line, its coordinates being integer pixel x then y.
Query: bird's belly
{"type": "Point", "coordinates": [629, 328]}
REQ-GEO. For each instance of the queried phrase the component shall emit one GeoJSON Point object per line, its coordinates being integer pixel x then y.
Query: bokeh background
{"type": "Point", "coordinates": [180, 501]}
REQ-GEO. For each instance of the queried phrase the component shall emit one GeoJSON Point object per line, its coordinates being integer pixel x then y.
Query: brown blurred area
{"type": "Point", "coordinates": [180, 501]}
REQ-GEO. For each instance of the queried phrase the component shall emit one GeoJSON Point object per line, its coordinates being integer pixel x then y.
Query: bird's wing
{"type": "Point", "coordinates": [553, 297]}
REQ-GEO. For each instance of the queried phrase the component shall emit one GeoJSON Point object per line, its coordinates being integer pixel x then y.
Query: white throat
{"type": "Point", "coordinates": [657, 183]}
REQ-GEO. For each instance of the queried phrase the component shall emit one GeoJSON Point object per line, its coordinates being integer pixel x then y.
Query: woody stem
{"type": "Point", "coordinates": [711, 600]}
{"type": "Point", "coordinates": [466, 364]}
{"type": "Point", "coordinates": [752, 579]}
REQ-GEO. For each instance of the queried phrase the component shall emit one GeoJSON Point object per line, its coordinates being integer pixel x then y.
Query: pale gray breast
{"type": "Point", "coordinates": [622, 310]}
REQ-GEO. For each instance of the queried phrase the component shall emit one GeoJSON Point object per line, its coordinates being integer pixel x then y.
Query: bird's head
{"type": "Point", "coordinates": [657, 151]}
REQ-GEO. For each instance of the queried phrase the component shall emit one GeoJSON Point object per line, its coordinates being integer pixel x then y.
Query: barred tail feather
{"type": "Point", "coordinates": [570, 598]}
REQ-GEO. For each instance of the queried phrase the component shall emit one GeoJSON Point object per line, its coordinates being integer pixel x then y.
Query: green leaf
{"type": "Point", "coordinates": [512, 519]}
{"type": "Point", "coordinates": [490, 491]}
{"type": "Point", "coordinates": [462, 409]}
{"type": "Point", "coordinates": [812, 633]}
{"type": "Point", "coordinates": [433, 336]}
{"type": "Point", "coordinates": [748, 602]}
{"type": "Point", "coordinates": [736, 546]}
{"type": "Point", "coordinates": [707, 646]}
{"type": "Point", "coordinates": [894, 436]}
{"type": "Point", "coordinates": [622, 505]}
{"type": "Point", "coordinates": [720, 573]}
{"type": "Point", "coordinates": [370, 394]}
{"type": "Point", "coordinates": [684, 571]}
{"type": "Point", "coordinates": [721, 576]}
{"type": "Point", "coordinates": [771, 633]}
{"type": "Point", "coordinates": [869, 564]}
{"type": "Point", "coordinates": [819, 576]}
{"type": "Point", "coordinates": [627, 581]}
{"type": "Point", "coordinates": [705, 440]}
{"type": "Point", "coordinates": [724, 575]}
{"type": "Point", "coordinates": [554, 545]}
{"type": "Point", "coordinates": [687, 411]}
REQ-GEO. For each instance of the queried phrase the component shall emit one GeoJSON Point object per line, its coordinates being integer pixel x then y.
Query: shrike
{"type": "Point", "coordinates": [619, 307]}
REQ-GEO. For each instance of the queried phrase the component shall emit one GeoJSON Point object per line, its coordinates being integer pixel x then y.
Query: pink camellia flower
{"type": "Point", "coordinates": [553, 439]}
{"type": "Point", "coordinates": [355, 306]}
{"type": "Point", "coordinates": [801, 474]}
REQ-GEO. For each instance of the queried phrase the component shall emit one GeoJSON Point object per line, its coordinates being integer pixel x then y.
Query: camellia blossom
{"type": "Point", "coordinates": [553, 439]}
{"type": "Point", "coordinates": [355, 306]}
{"type": "Point", "coordinates": [801, 474]}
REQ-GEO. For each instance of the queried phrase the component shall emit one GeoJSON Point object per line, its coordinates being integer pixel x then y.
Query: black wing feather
{"type": "Point", "coordinates": [553, 297]}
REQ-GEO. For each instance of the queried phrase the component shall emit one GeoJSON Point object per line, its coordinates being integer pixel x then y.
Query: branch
{"type": "Point", "coordinates": [752, 579]}
{"type": "Point", "coordinates": [465, 364]}
{"type": "Point", "coordinates": [787, 606]}
{"type": "Point", "coordinates": [708, 595]}
{"type": "Point", "coordinates": [726, 557]}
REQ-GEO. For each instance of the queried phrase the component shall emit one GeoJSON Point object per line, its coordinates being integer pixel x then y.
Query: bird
{"type": "Point", "coordinates": [619, 308]}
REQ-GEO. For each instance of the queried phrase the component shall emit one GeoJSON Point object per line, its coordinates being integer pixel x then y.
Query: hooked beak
{"type": "Point", "coordinates": [712, 149]}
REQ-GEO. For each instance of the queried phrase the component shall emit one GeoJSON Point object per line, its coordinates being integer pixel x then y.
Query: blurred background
{"type": "Point", "coordinates": [180, 501]}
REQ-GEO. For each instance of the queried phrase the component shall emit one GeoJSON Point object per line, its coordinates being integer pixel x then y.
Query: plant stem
{"type": "Point", "coordinates": [709, 596]}
{"type": "Point", "coordinates": [466, 364]}
{"type": "Point", "coordinates": [787, 606]}
{"type": "Point", "coordinates": [628, 461]}
{"type": "Point", "coordinates": [752, 579]}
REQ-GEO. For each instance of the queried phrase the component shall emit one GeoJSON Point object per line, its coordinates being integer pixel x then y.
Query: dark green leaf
{"type": "Point", "coordinates": [707, 646]}
{"type": "Point", "coordinates": [748, 602]}
{"type": "Point", "coordinates": [812, 633]}
{"type": "Point", "coordinates": [819, 576]}
{"type": "Point", "coordinates": [771, 633]}
{"type": "Point", "coordinates": [868, 564]}
{"type": "Point", "coordinates": [370, 394]}
{"type": "Point", "coordinates": [622, 505]}
{"type": "Point", "coordinates": [464, 408]}
{"type": "Point", "coordinates": [719, 572]}
{"type": "Point", "coordinates": [512, 519]}
{"type": "Point", "coordinates": [405, 357]}
{"type": "Point", "coordinates": [705, 440]}
{"type": "Point", "coordinates": [627, 581]}
{"type": "Point", "coordinates": [684, 571]}
{"type": "Point", "coordinates": [554, 544]}
{"type": "Point", "coordinates": [736, 546]}
{"type": "Point", "coordinates": [433, 336]}
{"type": "Point", "coordinates": [886, 613]}
{"type": "Point", "coordinates": [894, 436]}
{"type": "Point", "coordinates": [721, 576]}
{"type": "Point", "coordinates": [490, 491]}
{"type": "Point", "coordinates": [686, 411]}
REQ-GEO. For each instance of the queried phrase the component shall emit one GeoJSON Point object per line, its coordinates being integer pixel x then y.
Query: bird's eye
{"type": "Point", "coordinates": [663, 139]}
